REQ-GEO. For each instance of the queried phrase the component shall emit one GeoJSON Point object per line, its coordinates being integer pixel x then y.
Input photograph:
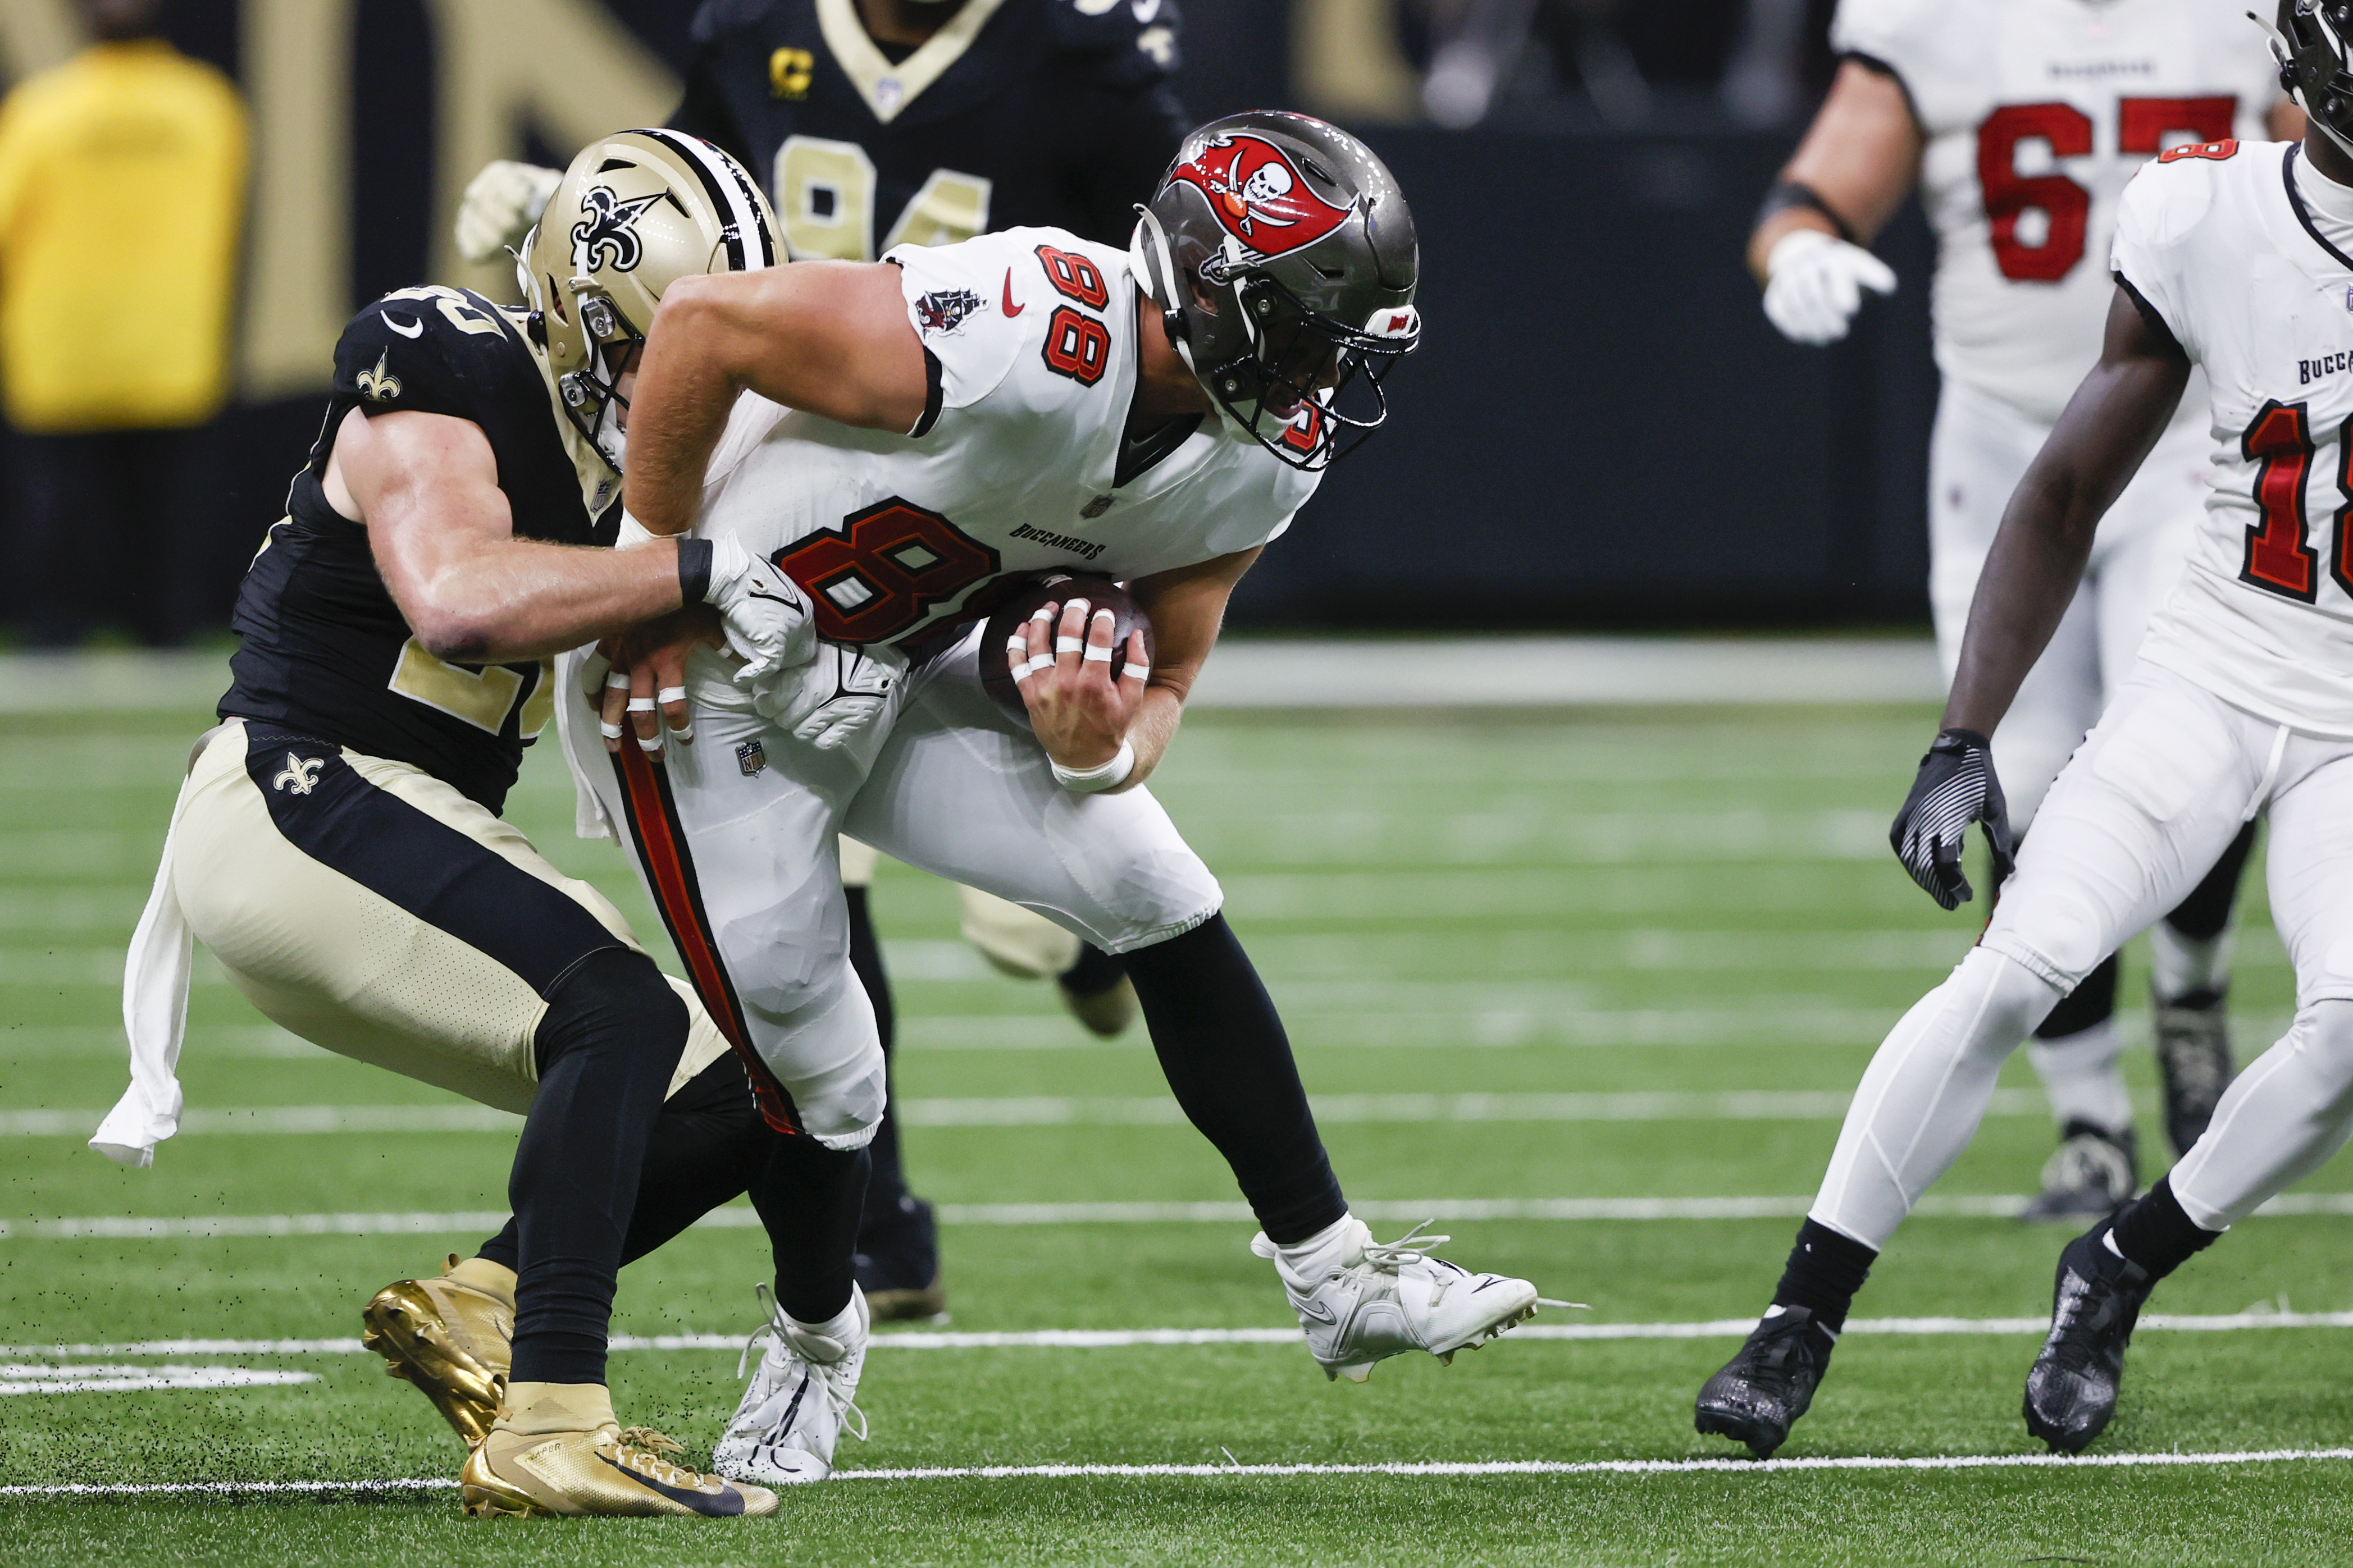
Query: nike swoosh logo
{"type": "Point", "coordinates": [1009, 307]}
{"type": "Point", "coordinates": [1319, 1313]}
{"type": "Point", "coordinates": [720, 1504]}
{"type": "Point", "coordinates": [413, 329]}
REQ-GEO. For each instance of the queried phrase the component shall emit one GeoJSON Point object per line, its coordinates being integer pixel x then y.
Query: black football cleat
{"type": "Point", "coordinates": [2071, 1392]}
{"type": "Point", "coordinates": [2193, 1054]}
{"type": "Point", "coordinates": [1762, 1391]}
{"type": "Point", "coordinates": [897, 1262]}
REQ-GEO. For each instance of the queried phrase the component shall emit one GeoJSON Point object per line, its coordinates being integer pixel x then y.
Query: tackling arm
{"type": "Point", "coordinates": [2030, 577]}
{"type": "Point", "coordinates": [426, 487]}
{"type": "Point", "coordinates": [829, 338]}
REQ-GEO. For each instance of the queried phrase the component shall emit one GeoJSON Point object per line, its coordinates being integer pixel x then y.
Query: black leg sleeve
{"type": "Point", "coordinates": [2202, 916]}
{"type": "Point", "coordinates": [1226, 1056]}
{"type": "Point", "coordinates": [608, 1045]}
{"type": "Point", "coordinates": [889, 1183]}
{"type": "Point", "coordinates": [809, 1197]}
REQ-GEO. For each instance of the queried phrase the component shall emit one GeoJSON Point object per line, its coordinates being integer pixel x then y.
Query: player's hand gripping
{"type": "Point", "coordinates": [1079, 713]}
{"type": "Point", "coordinates": [1956, 786]}
{"type": "Point", "coordinates": [1816, 282]}
{"type": "Point", "coordinates": [767, 615]}
{"type": "Point", "coordinates": [646, 674]}
{"type": "Point", "coordinates": [837, 696]}
{"type": "Point", "coordinates": [500, 206]}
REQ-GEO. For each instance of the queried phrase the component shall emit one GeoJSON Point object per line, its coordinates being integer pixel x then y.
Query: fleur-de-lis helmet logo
{"type": "Point", "coordinates": [378, 385]}
{"type": "Point", "coordinates": [607, 233]}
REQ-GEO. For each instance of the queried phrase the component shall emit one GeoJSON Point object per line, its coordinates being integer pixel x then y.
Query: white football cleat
{"type": "Point", "coordinates": [801, 1397]}
{"type": "Point", "coordinates": [1379, 1299]}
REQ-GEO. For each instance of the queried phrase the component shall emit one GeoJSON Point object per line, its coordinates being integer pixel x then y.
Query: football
{"type": "Point", "coordinates": [1055, 588]}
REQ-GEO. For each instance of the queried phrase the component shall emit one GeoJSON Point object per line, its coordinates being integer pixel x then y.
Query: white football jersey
{"type": "Point", "coordinates": [1017, 466]}
{"type": "Point", "coordinates": [2217, 243]}
{"type": "Point", "coordinates": [2036, 114]}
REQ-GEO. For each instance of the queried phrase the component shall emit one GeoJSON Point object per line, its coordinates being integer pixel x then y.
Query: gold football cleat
{"type": "Point", "coordinates": [563, 1454]}
{"type": "Point", "coordinates": [452, 1337]}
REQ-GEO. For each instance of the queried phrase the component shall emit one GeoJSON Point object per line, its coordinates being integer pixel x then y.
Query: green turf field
{"type": "Point", "coordinates": [1527, 959]}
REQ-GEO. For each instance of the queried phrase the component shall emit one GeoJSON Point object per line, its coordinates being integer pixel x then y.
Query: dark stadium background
{"type": "Point", "coordinates": [1601, 430]}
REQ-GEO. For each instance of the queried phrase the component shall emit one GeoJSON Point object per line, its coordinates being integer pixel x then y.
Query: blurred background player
{"type": "Point", "coordinates": [2022, 121]}
{"type": "Point", "coordinates": [121, 194]}
{"type": "Point", "coordinates": [882, 122]}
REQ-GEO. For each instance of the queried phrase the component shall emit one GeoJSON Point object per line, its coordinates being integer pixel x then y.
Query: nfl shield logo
{"type": "Point", "coordinates": [751, 758]}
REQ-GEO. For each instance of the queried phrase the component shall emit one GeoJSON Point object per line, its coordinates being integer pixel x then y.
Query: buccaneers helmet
{"type": "Point", "coordinates": [2311, 44]}
{"type": "Point", "coordinates": [1283, 257]}
{"type": "Point", "coordinates": [635, 211]}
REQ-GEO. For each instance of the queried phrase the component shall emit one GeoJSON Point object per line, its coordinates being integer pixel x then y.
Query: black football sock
{"type": "Point", "coordinates": [608, 1045]}
{"type": "Point", "coordinates": [2094, 1001]}
{"type": "Point", "coordinates": [1824, 1271]}
{"type": "Point", "coordinates": [706, 1147]}
{"type": "Point", "coordinates": [2156, 1233]}
{"type": "Point", "coordinates": [1093, 972]}
{"type": "Point", "coordinates": [810, 1198]}
{"type": "Point", "coordinates": [888, 1184]}
{"type": "Point", "coordinates": [1222, 1048]}
{"type": "Point", "coordinates": [2206, 912]}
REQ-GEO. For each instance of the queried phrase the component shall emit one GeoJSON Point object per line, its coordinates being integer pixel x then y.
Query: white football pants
{"type": "Point", "coordinates": [735, 839]}
{"type": "Point", "coordinates": [1978, 453]}
{"type": "Point", "coordinates": [2164, 782]}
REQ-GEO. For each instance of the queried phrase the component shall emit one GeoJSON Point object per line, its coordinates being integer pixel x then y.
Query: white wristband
{"type": "Point", "coordinates": [1095, 780]}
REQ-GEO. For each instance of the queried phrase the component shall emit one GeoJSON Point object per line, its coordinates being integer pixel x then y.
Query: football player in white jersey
{"type": "Point", "coordinates": [2020, 122]}
{"type": "Point", "coordinates": [2234, 259]}
{"type": "Point", "coordinates": [914, 440]}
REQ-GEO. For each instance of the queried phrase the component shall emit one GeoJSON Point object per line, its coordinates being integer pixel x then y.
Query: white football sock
{"type": "Point", "coordinates": [842, 1328]}
{"type": "Point", "coordinates": [2179, 964]}
{"type": "Point", "coordinates": [2278, 1121]}
{"type": "Point", "coordinates": [1304, 1265]}
{"type": "Point", "coordinates": [2083, 1078]}
{"type": "Point", "coordinates": [1924, 1092]}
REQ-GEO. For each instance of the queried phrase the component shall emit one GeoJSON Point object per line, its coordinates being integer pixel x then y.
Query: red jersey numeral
{"type": "Point", "coordinates": [883, 569]}
{"type": "Point", "coordinates": [1077, 346]}
{"type": "Point", "coordinates": [1075, 276]}
{"type": "Point", "coordinates": [2142, 126]}
{"type": "Point", "coordinates": [2279, 443]}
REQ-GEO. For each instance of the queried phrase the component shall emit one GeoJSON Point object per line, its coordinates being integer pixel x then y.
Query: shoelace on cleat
{"type": "Point", "coordinates": [646, 1451]}
{"type": "Point", "coordinates": [773, 1332]}
{"type": "Point", "coordinates": [1411, 1248]}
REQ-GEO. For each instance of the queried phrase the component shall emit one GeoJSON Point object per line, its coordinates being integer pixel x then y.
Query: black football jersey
{"type": "Point", "coordinates": [326, 650]}
{"type": "Point", "coordinates": [1055, 113]}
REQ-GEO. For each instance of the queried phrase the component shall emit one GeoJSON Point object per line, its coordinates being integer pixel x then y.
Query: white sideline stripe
{"type": "Point", "coordinates": [1403, 1469]}
{"type": "Point", "coordinates": [140, 1379]}
{"type": "Point", "coordinates": [133, 1227]}
{"type": "Point", "coordinates": [1129, 1339]}
{"type": "Point", "coordinates": [1800, 1105]}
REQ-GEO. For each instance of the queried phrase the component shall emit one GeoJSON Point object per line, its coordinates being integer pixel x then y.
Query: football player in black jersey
{"type": "Point", "coordinates": [338, 845]}
{"type": "Point", "coordinates": [881, 122]}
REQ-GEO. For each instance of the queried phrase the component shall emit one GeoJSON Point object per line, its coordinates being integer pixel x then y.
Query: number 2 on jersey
{"type": "Point", "coordinates": [825, 199]}
{"type": "Point", "coordinates": [2066, 208]}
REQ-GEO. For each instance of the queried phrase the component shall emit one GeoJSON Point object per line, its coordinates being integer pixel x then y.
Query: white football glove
{"type": "Point", "coordinates": [1815, 284]}
{"type": "Point", "coordinates": [767, 615]}
{"type": "Point", "coordinates": [500, 204]}
{"type": "Point", "coordinates": [835, 697]}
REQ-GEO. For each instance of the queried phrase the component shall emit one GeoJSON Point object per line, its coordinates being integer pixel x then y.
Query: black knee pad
{"type": "Point", "coordinates": [611, 999]}
{"type": "Point", "coordinates": [2093, 1002]}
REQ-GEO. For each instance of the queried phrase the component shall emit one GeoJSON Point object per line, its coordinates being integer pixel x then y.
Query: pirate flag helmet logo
{"type": "Point", "coordinates": [1259, 196]}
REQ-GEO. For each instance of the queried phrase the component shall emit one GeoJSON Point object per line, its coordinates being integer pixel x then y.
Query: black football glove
{"type": "Point", "coordinates": [1956, 787]}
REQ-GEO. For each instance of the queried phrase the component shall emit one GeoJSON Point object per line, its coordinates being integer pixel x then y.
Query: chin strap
{"type": "Point", "coordinates": [1161, 290]}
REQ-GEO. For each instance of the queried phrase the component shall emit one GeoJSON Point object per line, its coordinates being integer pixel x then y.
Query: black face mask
{"type": "Point", "coordinates": [1272, 390]}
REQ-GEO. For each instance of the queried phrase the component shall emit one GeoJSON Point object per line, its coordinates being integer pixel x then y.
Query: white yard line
{"type": "Point", "coordinates": [1131, 1338]}
{"type": "Point", "coordinates": [72, 1379]}
{"type": "Point", "coordinates": [134, 1228]}
{"type": "Point", "coordinates": [1402, 1469]}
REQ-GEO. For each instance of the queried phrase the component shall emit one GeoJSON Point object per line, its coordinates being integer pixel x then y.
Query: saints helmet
{"type": "Point", "coordinates": [2310, 41]}
{"type": "Point", "coordinates": [1284, 259]}
{"type": "Point", "coordinates": [635, 211]}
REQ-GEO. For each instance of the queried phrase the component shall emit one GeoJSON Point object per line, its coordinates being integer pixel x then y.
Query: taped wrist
{"type": "Point", "coordinates": [1095, 780]}
{"type": "Point", "coordinates": [693, 571]}
{"type": "Point", "coordinates": [1786, 194]}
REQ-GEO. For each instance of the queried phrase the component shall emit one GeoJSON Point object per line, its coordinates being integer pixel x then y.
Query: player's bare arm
{"type": "Point", "coordinates": [1080, 715]}
{"type": "Point", "coordinates": [829, 338]}
{"type": "Point", "coordinates": [2109, 425]}
{"type": "Point", "coordinates": [426, 487]}
{"type": "Point", "coordinates": [1860, 157]}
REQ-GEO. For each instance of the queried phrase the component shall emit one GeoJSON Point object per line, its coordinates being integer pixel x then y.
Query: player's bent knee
{"type": "Point", "coordinates": [842, 1108]}
{"type": "Point", "coordinates": [613, 1001]}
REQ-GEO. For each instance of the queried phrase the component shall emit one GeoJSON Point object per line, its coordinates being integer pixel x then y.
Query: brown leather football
{"type": "Point", "coordinates": [1056, 588]}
